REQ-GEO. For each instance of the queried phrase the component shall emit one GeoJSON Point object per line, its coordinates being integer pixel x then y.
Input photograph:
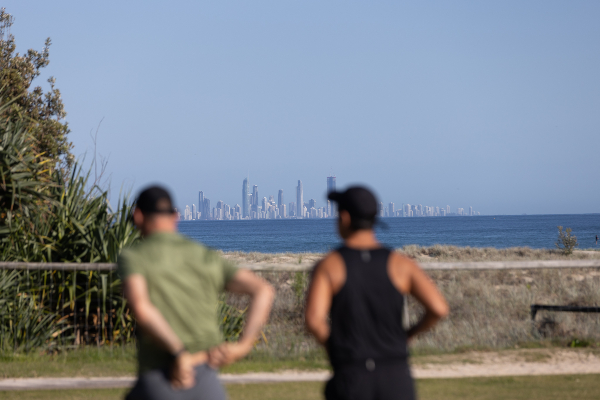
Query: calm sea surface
{"type": "Point", "coordinates": [319, 235]}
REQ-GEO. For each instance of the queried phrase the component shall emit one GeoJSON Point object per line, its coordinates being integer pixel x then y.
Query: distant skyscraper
{"type": "Point", "coordinates": [245, 199]}
{"type": "Point", "coordinates": [332, 209]}
{"type": "Point", "coordinates": [330, 184]}
{"type": "Point", "coordinates": [264, 204]}
{"type": "Point", "coordinates": [206, 209]}
{"type": "Point", "coordinates": [201, 204]}
{"type": "Point", "coordinates": [406, 210]}
{"type": "Point", "coordinates": [280, 198]}
{"type": "Point", "coordinates": [194, 215]}
{"type": "Point", "coordinates": [391, 210]}
{"type": "Point", "coordinates": [255, 198]}
{"type": "Point", "coordinates": [471, 211]}
{"type": "Point", "coordinates": [312, 203]}
{"type": "Point", "coordinates": [447, 210]}
{"type": "Point", "coordinates": [299, 200]}
{"type": "Point", "coordinates": [220, 210]}
{"type": "Point", "coordinates": [381, 212]}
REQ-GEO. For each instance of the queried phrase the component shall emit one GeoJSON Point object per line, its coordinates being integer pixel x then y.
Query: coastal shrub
{"type": "Point", "coordinates": [566, 242]}
{"type": "Point", "coordinates": [50, 217]}
{"type": "Point", "coordinates": [52, 214]}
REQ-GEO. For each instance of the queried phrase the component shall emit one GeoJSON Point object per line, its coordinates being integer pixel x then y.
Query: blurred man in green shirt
{"type": "Point", "coordinates": [172, 285]}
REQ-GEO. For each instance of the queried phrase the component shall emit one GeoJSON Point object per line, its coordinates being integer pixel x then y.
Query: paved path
{"type": "Point", "coordinates": [472, 365]}
{"type": "Point", "coordinates": [125, 382]}
{"type": "Point", "coordinates": [65, 383]}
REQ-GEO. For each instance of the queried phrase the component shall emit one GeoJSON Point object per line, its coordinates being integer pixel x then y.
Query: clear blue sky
{"type": "Point", "coordinates": [489, 104]}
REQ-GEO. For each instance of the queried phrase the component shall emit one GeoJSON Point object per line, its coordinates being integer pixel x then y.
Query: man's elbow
{"type": "Point", "coordinates": [254, 286]}
{"type": "Point", "coordinates": [268, 291]}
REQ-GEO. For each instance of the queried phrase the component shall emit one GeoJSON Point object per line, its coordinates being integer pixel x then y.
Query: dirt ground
{"type": "Point", "coordinates": [508, 363]}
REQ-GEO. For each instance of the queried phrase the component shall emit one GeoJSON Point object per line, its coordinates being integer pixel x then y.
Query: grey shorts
{"type": "Point", "coordinates": [155, 385]}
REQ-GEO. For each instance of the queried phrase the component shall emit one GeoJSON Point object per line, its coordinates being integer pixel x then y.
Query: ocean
{"type": "Point", "coordinates": [320, 235]}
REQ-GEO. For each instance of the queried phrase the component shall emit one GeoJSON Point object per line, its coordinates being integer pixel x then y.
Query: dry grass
{"type": "Point", "coordinates": [273, 258]}
{"type": "Point", "coordinates": [426, 254]}
{"type": "Point", "coordinates": [489, 309]}
{"type": "Point", "coordinates": [456, 254]}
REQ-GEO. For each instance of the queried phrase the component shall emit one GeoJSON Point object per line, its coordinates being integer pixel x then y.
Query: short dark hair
{"type": "Point", "coordinates": [361, 223]}
{"type": "Point", "coordinates": [360, 203]}
{"type": "Point", "coordinates": [154, 200]}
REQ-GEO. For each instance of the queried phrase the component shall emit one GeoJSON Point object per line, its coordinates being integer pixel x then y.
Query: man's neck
{"type": "Point", "coordinates": [151, 232]}
{"type": "Point", "coordinates": [362, 239]}
{"type": "Point", "coordinates": [160, 226]}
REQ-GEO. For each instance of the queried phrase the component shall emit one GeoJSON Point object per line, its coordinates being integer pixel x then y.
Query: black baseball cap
{"type": "Point", "coordinates": [357, 200]}
{"type": "Point", "coordinates": [155, 200]}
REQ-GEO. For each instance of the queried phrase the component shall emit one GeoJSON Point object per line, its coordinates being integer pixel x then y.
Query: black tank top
{"type": "Point", "coordinates": [366, 314]}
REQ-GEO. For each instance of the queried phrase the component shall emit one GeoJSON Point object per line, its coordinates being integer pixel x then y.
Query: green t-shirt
{"type": "Point", "coordinates": [184, 282]}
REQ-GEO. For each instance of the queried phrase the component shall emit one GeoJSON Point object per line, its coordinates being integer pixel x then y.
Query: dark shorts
{"type": "Point", "coordinates": [384, 382]}
{"type": "Point", "coordinates": [155, 385]}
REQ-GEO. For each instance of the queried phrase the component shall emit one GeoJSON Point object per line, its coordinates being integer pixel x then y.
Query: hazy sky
{"type": "Point", "coordinates": [494, 105]}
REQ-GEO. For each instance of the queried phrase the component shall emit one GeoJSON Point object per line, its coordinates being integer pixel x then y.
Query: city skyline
{"type": "Point", "coordinates": [493, 105]}
{"type": "Point", "coordinates": [254, 207]}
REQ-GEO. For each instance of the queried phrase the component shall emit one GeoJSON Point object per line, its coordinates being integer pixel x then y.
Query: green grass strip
{"type": "Point", "coordinates": [560, 387]}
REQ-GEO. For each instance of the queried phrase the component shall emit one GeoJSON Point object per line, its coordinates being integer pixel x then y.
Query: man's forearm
{"type": "Point", "coordinates": [258, 313]}
{"type": "Point", "coordinates": [152, 323]}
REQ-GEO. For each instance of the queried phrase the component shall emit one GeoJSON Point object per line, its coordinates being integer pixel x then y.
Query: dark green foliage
{"type": "Point", "coordinates": [24, 323]}
{"type": "Point", "coordinates": [566, 242]}
{"type": "Point", "coordinates": [49, 217]}
{"type": "Point", "coordinates": [56, 310]}
{"type": "Point", "coordinates": [24, 176]}
{"type": "Point", "coordinates": [42, 113]}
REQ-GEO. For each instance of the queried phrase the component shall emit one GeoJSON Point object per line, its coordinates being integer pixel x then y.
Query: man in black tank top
{"type": "Point", "coordinates": [355, 307]}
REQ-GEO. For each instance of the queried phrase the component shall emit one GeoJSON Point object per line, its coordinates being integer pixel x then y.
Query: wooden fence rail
{"type": "Point", "coordinates": [289, 267]}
